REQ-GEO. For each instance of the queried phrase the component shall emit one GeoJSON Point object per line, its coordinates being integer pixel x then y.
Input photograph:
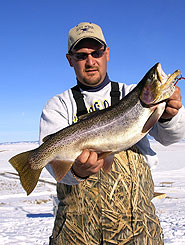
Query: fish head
{"type": "Point", "coordinates": [158, 86]}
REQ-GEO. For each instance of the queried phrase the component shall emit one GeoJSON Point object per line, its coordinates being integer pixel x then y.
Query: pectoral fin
{"type": "Point", "coordinates": [108, 157]}
{"type": "Point", "coordinates": [60, 168]}
{"type": "Point", "coordinates": [154, 117]}
{"type": "Point", "coordinates": [108, 163]}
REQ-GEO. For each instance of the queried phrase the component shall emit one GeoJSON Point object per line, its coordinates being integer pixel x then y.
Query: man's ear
{"type": "Point", "coordinates": [68, 56]}
{"type": "Point", "coordinates": [107, 53]}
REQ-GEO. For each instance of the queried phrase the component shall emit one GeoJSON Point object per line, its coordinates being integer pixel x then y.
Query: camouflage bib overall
{"type": "Point", "coordinates": [109, 208]}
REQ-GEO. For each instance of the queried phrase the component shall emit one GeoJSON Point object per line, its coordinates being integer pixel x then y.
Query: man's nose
{"type": "Point", "coordinates": [90, 60]}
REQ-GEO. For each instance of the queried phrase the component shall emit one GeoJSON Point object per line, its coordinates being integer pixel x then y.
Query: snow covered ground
{"type": "Point", "coordinates": [29, 219]}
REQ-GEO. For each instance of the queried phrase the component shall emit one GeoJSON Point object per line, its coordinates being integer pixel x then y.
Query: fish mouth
{"type": "Point", "coordinates": [159, 86]}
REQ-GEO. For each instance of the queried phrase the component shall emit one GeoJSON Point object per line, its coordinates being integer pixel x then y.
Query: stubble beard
{"type": "Point", "coordinates": [92, 80]}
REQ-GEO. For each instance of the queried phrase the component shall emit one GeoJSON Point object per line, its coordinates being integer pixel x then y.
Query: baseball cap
{"type": "Point", "coordinates": [85, 30]}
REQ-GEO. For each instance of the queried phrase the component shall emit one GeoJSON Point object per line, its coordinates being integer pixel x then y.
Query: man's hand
{"type": "Point", "coordinates": [173, 105]}
{"type": "Point", "coordinates": [88, 164]}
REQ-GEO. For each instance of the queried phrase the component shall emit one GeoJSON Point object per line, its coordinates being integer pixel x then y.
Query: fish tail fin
{"type": "Point", "coordinates": [28, 176]}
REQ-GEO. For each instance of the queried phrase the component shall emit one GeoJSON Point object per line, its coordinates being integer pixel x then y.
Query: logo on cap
{"type": "Point", "coordinates": [86, 28]}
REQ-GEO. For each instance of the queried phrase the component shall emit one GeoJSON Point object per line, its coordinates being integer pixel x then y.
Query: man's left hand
{"type": "Point", "coordinates": [173, 104]}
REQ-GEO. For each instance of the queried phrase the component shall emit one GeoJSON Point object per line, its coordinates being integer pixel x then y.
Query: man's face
{"type": "Point", "coordinates": [90, 71]}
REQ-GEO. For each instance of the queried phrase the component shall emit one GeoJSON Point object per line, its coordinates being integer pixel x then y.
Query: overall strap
{"type": "Point", "coordinates": [115, 93]}
{"type": "Point", "coordinates": [78, 97]}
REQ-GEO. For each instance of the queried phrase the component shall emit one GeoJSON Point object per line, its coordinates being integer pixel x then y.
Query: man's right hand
{"type": "Point", "coordinates": [87, 164]}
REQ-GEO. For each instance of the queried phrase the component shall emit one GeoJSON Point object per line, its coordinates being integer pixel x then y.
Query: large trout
{"type": "Point", "coordinates": [108, 131]}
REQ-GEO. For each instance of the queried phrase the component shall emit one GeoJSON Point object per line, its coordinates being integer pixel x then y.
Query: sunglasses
{"type": "Point", "coordinates": [83, 56]}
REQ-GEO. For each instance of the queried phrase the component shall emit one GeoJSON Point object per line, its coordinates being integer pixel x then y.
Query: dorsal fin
{"type": "Point", "coordinates": [83, 116]}
{"type": "Point", "coordinates": [47, 137]}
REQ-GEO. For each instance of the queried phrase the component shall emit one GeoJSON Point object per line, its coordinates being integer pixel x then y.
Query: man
{"type": "Point", "coordinates": [113, 207]}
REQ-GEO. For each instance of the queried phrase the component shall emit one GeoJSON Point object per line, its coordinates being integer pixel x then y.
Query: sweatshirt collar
{"type": "Point", "coordinates": [94, 89]}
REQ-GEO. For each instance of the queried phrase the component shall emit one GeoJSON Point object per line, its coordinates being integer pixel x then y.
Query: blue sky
{"type": "Point", "coordinates": [33, 44]}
